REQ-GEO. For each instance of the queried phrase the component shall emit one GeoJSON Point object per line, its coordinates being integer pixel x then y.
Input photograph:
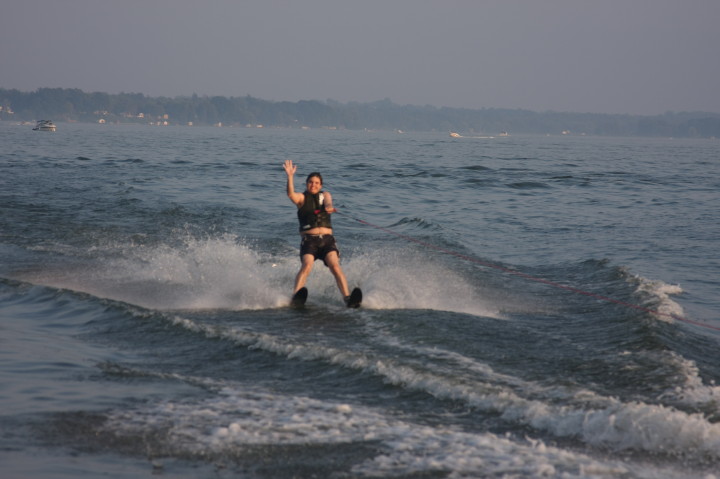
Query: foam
{"type": "Point", "coordinates": [402, 279]}
{"type": "Point", "coordinates": [212, 273]}
{"type": "Point", "coordinates": [660, 293]}
{"type": "Point", "coordinates": [692, 391]}
{"type": "Point", "coordinates": [226, 272]}
{"type": "Point", "coordinates": [596, 420]}
{"type": "Point", "coordinates": [233, 419]}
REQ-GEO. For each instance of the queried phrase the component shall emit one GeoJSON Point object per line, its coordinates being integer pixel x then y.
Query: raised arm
{"type": "Point", "coordinates": [297, 198]}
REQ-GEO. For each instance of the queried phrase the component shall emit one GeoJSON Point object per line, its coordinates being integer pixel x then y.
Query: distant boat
{"type": "Point", "coordinates": [45, 125]}
{"type": "Point", "coordinates": [457, 135]}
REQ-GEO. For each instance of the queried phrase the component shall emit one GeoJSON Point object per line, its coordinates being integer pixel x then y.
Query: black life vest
{"type": "Point", "coordinates": [312, 213]}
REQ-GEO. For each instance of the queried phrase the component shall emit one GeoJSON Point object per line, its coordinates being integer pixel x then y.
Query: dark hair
{"type": "Point", "coordinates": [314, 173]}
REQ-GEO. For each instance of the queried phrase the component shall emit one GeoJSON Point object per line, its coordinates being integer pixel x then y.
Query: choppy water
{"type": "Point", "coordinates": [534, 306]}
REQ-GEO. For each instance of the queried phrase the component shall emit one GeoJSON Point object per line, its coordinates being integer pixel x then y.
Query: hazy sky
{"type": "Point", "coordinates": [606, 56]}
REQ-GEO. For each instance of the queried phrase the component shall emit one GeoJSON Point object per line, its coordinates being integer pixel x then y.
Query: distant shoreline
{"type": "Point", "coordinates": [74, 105]}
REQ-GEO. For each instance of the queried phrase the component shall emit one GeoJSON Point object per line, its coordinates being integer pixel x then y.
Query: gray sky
{"type": "Point", "coordinates": [605, 56]}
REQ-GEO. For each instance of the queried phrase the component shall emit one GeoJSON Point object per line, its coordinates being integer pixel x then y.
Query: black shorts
{"type": "Point", "coordinates": [318, 246]}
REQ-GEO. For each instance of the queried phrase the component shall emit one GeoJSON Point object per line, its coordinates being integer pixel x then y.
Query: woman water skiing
{"type": "Point", "coordinates": [314, 209]}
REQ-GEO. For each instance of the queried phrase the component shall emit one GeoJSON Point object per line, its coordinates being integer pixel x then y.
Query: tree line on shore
{"type": "Point", "coordinates": [69, 104]}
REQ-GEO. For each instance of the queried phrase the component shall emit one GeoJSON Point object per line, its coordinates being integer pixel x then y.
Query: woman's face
{"type": "Point", "coordinates": [313, 185]}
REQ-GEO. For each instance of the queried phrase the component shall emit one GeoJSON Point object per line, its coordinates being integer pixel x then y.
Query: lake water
{"type": "Point", "coordinates": [534, 306]}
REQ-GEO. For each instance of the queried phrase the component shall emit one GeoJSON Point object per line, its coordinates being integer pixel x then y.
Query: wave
{"type": "Point", "coordinates": [415, 223]}
{"type": "Point", "coordinates": [658, 296]}
{"type": "Point", "coordinates": [216, 273]}
{"type": "Point", "coordinates": [227, 272]}
{"type": "Point", "coordinates": [236, 422]}
{"type": "Point", "coordinates": [601, 421]}
{"type": "Point", "coordinates": [404, 278]}
{"type": "Point", "coordinates": [477, 167]}
{"type": "Point", "coordinates": [528, 185]}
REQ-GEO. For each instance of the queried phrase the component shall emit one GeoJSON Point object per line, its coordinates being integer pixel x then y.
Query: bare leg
{"type": "Point", "coordinates": [307, 264]}
{"type": "Point", "coordinates": [333, 262]}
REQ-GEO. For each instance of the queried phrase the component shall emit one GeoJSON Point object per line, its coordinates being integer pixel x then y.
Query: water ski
{"type": "Point", "coordinates": [355, 298]}
{"type": "Point", "coordinates": [299, 298]}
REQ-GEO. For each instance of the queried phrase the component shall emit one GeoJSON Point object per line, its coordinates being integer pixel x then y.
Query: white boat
{"type": "Point", "coordinates": [455, 135]}
{"type": "Point", "coordinates": [45, 125]}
